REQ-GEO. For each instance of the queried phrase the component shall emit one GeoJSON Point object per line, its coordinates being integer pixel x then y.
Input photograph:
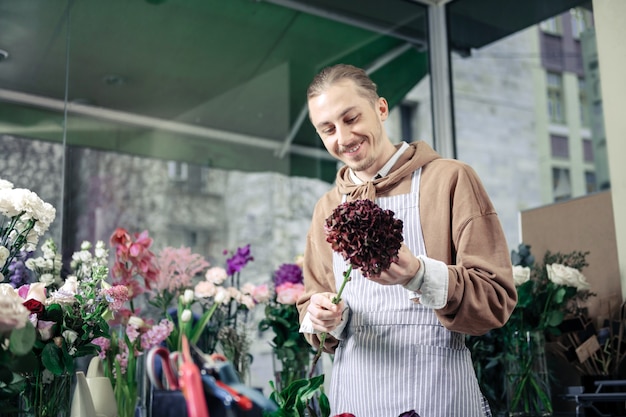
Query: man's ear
{"type": "Point", "coordinates": [382, 108]}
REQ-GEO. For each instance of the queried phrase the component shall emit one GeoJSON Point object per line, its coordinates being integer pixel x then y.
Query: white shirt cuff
{"type": "Point", "coordinates": [307, 325]}
{"type": "Point", "coordinates": [430, 284]}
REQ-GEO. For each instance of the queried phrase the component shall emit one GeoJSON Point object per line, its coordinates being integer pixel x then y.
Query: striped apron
{"type": "Point", "coordinates": [396, 356]}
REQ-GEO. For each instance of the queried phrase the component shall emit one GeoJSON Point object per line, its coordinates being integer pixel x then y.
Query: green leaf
{"type": "Point", "coordinates": [22, 340]}
{"type": "Point", "coordinates": [52, 358]}
{"type": "Point", "coordinates": [555, 318]}
{"type": "Point", "coordinates": [54, 312]}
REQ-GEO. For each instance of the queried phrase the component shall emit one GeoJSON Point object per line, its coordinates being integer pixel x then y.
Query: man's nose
{"type": "Point", "coordinates": [344, 135]}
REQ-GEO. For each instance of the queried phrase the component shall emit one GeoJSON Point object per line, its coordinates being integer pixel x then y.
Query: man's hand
{"type": "Point", "coordinates": [324, 315]}
{"type": "Point", "coordinates": [401, 271]}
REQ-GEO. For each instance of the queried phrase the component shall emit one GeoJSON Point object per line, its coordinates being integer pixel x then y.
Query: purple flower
{"type": "Point", "coordinates": [288, 273]}
{"type": "Point", "coordinates": [365, 235]}
{"type": "Point", "coordinates": [18, 274]}
{"type": "Point", "coordinates": [238, 260]}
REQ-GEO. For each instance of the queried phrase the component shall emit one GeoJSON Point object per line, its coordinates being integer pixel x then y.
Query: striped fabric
{"type": "Point", "coordinates": [396, 356]}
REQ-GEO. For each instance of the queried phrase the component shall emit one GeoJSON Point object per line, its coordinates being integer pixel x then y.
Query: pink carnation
{"type": "Point", "coordinates": [261, 293]}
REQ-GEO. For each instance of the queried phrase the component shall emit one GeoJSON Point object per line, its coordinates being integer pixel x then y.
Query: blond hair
{"type": "Point", "coordinates": [331, 75]}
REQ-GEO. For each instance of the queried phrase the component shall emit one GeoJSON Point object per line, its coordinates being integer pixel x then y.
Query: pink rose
{"type": "Point", "coordinates": [288, 293]}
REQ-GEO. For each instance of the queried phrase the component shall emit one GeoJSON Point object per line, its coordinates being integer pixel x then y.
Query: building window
{"type": "Point", "coordinates": [580, 22]}
{"type": "Point", "coordinates": [587, 150]}
{"type": "Point", "coordinates": [590, 182]}
{"type": "Point", "coordinates": [560, 146]}
{"type": "Point", "coordinates": [555, 98]}
{"type": "Point", "coordinates": [408, 111]}
{"type": "Point", "coordinates": [583, 103]}
{"type": "Point", "coordinates": [561, 185]}
{"type": "Point", "coordinates": [552, 25]}
{"type": "Point", "coordinates": [177, 171]}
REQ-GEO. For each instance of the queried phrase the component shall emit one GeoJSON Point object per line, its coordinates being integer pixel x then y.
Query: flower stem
{"type": "Point", "coordinates": [335, 300]}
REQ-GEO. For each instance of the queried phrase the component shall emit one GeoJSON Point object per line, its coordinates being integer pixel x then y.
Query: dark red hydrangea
{"type": "Point", "coordinates": [288, 273]}
{"type": "Point", "coordinates": [367, 236]}
{"type": "Point", "coordinates": [411, 413]}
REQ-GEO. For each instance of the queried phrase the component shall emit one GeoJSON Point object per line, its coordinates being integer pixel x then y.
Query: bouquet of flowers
{"type": "Point", "coordinates": [290, 348]}
{"type": "Point", "coordinates": [67, 320]}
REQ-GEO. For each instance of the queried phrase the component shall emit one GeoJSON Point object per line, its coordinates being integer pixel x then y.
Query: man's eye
{"type": "Point", "coordinates": [328, 131]}
{"type": "Point", "coordinates": [352, 119]}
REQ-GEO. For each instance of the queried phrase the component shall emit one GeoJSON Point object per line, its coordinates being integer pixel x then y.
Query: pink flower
{"type": "Point", "coordinates": [261, 293]}
{"type": "Point", "coordinates": [117, 295]}
{"type": "Point", "coordinates": [35, 291]}
{"type": "Point", "coordinates": [216, 275]}
{"type": "Point", "coordinates": [288, 293]}
{"type": "Point", "coordinates": [156, 334]}
{"type": "Point", "coordinates": [104, 344]}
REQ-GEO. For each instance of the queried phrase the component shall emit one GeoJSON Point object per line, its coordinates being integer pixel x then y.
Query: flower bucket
{"type": "Point", "coordinates": [46, 395]}
{"type": "Point", "coordinates": [527, 379]}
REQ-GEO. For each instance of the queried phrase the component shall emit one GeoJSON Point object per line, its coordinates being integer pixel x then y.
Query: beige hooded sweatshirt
{"type": "Point", "coordinates": [460, 228]}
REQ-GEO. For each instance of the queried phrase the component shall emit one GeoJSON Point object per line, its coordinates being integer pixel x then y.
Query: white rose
{"type": "Point", "coordinates": [70, 336]}
{"type": "Point", "coordinates": [521, 274]}
{"type": "Point", "coordinates": [567, 276]}
{"type": "Point", "coordinates": [13, 314]}
{"type": "Point", "coordinates": [66, 294]}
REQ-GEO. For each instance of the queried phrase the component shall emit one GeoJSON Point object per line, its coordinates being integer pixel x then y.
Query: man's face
{"type": "Point", "coordinates": [350, 126]}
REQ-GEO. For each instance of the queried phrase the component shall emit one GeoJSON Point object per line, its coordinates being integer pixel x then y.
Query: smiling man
{"type": "Point", "coordinates": [398, 338]}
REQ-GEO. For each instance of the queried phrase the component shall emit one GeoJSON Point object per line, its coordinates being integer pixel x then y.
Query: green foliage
{"type": "Point", "coordinates": [288, 344]}
{"type": "Point", "coordinates": [542, 305]}
{"type": "Point", "coordinates": [298, 399]}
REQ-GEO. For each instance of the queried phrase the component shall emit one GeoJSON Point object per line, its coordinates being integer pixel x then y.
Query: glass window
{"type": "Point", "coordinates": [580, 22]}
{"type": "Point", "coordinates": [561, 185]}
{"type": "Point", "coordinates": [555, 97]}
{"type": "Point", "coordinates": [407, 120]}
{"type": "Point", "coordinates": [560, 146]}
{"type": "Point", "coordinates": [590, 182]}
{"type": "Point", "coordinates": [587, 150]}
{"type": "Point", "coordinates": [552, 25]}
{"type": "Point", "coordinates": [583, 102]}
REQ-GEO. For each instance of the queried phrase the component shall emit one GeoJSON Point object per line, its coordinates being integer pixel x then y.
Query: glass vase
{"type": "Point", "coordinates": [527, 378]}
{"type": "Point", "coordinates": [46, 395]}
{"type": "Point", "coordinates": [290, 365]}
